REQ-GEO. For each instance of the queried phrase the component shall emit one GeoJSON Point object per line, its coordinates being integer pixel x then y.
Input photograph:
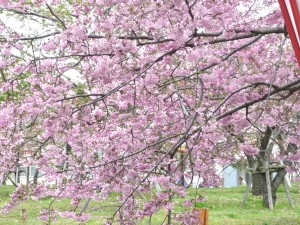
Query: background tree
{"type": "Point", "coordinates": [150, 77]}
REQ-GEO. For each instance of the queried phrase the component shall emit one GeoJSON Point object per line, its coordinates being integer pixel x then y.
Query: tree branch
{"type": "Point", "coordinates": [288, 87]}
{"type": "Point", "coordinates": [52, 12]}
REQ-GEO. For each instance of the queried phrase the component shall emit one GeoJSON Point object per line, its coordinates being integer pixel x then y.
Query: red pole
{"type": "Point", "coordinates": [289, 25]}
{"type": "Point", "coordinates": [296, 14]}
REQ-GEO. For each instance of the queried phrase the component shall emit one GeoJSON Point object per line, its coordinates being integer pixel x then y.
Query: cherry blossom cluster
{"type": "Point", "coordinates": [101, 95]}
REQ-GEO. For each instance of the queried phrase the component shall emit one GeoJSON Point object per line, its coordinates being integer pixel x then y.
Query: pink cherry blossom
{"type": "Point", "coordinates": [106, 96]}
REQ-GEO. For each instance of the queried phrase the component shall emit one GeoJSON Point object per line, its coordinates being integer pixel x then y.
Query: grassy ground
{"type": "Point", "coordinates": [223, 204]}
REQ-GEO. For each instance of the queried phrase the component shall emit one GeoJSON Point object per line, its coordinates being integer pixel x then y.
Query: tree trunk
{"type": "Point", "coordinates": [279, 178]}
{"type": "Point", "coordinates": [259, 181]}
{"type": "Point", "coordinates": [27, 175]}
{"type": "Point", "coordinates": [257, 184]}
{"type": "Point", "coordinates": [17, 176]}
{"type": "Point", "coordinates": [182, 169]}
{"type": "Point", "coordinates": [3, 182]}
{"type": "Point", "coordinates": [35, 176]}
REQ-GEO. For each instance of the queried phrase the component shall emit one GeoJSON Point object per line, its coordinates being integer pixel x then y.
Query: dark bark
{"type": "Point", "coordinates": [182, 169]}
{"type": "Point", "coordinates": [259, 177]}
{"type": "Point", "coordinates": [4, 179]}
{"type": "Point", "coordinates": [11, 180]}
{"type": "Point", "coordinates": [257, 165]}
{"type": "Point", "coordinates": [279, 179]}
{"type": "Point", "coordinates": [292, 148]}
{"type": "Point", "coordinates": [169, 213]}
{"type": "Point", "coordinates": [261, 185]}
{"type": "Point", "coordinates": [251, 160]}
{"type": "Point", "coordinates": [35, 176]}
{"type": "Point", "coordinates": [264, 142]}
{"type": "Point", "coordinates": [27, 175]}
{"type": "Point", "coordinates": [258, 181]}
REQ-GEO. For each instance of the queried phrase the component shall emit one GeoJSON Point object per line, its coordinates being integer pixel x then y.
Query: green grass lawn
{"type": "Point", "coordinates": [223, 204]}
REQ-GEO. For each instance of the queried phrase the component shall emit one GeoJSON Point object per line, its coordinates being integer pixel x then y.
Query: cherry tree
{"type": "Point", "coordinates": [218, 77]}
